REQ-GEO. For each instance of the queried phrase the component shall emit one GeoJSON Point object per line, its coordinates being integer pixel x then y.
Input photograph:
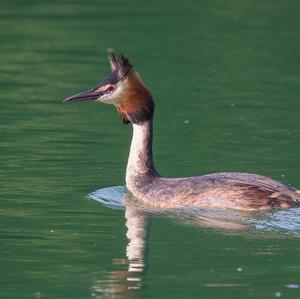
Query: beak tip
{"type": "Point", "coordinates": [69, 100]}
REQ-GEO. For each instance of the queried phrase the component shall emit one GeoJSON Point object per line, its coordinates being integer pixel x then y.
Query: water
{"type": "Point", "coordinates": [225, 76]}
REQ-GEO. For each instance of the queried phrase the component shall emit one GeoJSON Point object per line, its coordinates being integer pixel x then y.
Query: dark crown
{"type": "Point", "coordinates": [120, 65]}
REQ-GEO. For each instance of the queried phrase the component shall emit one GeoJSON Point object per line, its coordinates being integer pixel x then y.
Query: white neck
{"type": "Point", "coordinates": [140, 163]}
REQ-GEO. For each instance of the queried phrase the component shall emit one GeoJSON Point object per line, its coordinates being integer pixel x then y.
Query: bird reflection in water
{"type": "Point", "coordinates": [129, 278]}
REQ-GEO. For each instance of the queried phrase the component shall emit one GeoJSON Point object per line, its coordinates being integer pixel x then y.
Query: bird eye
{"type": "Point", "coordinates": [109, 89]}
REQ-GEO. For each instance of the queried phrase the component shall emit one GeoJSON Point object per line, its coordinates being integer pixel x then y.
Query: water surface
{"type": "Point", "coordinates": [226, 79]}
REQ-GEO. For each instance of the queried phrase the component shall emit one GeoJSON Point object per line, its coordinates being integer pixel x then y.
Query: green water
{"type": "Point", "coordinates": [226, 79]}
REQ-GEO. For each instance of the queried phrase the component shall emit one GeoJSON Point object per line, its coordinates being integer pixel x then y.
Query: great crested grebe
{"type": "Point", "coordinates": [126, 91]}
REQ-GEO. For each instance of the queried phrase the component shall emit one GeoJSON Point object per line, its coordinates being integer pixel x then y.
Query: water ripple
{"type": "Point", "coordinates": [277, 223]}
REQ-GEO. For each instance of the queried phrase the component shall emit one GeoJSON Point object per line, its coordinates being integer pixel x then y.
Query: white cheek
{"type": "Point", "coordinates": [113, 97]}
{"type": "Point", "coordinates": [107, 98]}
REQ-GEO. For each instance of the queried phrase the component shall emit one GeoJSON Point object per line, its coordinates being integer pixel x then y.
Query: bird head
{"type": "Point", "coordinates": [124, 89]}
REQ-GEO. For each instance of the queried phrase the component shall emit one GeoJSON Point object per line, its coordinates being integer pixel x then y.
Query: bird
{"type": "Point", "coordinates": [124, 89]}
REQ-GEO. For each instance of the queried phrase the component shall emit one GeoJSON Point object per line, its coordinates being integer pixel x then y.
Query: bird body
{"type": "Point", "coordinates": [218, 190]}
{"type": "Point", "coordinates": [126, 91]}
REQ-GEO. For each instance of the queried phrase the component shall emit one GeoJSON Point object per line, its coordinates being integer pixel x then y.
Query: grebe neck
{"type": "Point", "coordinates": [140, 163]}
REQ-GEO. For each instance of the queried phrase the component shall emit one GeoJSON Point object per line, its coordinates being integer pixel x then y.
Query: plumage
{"type": "Point", "coordinates": [125, 90]}
{"type": "Point", "coordinates": [136, 104]}
{"type": "Point", "coordinates": [120, 65]}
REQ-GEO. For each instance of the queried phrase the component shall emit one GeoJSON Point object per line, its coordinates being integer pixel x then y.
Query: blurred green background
{"type": "Point", "coordinates": [226, 79]}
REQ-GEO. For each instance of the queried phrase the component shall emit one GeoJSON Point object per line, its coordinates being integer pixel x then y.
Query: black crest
{"type": "Point", "coordinates": [120, 65]}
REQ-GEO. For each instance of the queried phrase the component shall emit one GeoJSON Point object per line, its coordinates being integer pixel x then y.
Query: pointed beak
{"type": "Point", "coordinates": [89, 95]}
{"type": "Point", "coordinates": [94, 93]}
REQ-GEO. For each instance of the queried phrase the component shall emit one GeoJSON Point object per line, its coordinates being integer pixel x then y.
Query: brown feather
{"type": "Point", "coordinates": [221, 190]}
{"type": "Point", "coordinates": [136, 104]}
